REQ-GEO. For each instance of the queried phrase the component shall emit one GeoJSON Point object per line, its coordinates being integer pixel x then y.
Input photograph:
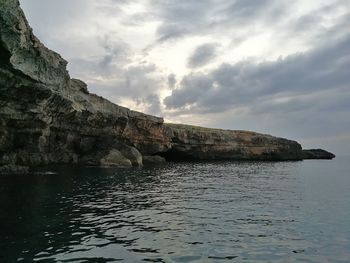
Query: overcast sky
{"type": "Point", "coordinates": [273, 66]}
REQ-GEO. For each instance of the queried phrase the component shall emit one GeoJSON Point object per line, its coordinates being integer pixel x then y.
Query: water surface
{"type": "Point", "coordinates": [182, 212]}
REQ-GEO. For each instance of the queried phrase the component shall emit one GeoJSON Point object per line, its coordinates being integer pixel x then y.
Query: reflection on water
{"type": "Point", "coordinates": [187, 212]}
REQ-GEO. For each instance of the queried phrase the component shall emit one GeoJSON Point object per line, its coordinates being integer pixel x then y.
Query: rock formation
{"type": "Point", "coordinates": [317, 154]}
{"type": "Point", "coordinates": [46, 117]}
{"type": "Point", "coordinates": [198, 143]}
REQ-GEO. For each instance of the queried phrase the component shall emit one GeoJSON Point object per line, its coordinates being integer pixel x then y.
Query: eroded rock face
{"type": "Point", "coordinates": [48, 118]}
{"type": "Point", "coordinates": [132, 154]}
{"type": "Point", "coordinates": [115, 159]}
{"type": "Point", "coordinates": [192, 142]}
{"type": "Point", "coordinates": [27, 54]}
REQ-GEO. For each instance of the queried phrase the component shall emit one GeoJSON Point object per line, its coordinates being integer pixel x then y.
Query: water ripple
{"type": "Point", "coordinates": [188, 212]}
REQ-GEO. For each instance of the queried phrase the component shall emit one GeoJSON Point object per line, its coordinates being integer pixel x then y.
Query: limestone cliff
{"type": "Point", "coordinates": [46, 117]}
{"type": "Point", "coordinates": [192, 142]}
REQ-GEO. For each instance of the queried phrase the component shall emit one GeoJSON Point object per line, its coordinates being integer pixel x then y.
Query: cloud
{"type": "Point", "coordinates": [152, 104]}
{"type": "Point", "coordinates": [248, 10]}
{"type": "Point", "coordinates": [202, 55]}
{"type": "Point", "coordinates": [179, 18]}
{"type": "Point", "coordinates": [172, 80]}
{"type": "Point", "coordinates": [184, 18]}
{"type": "Point", "coordinates": [135, 85]}
{"type": "Point", "coordinates": [112, 56]}
{"type": "Point", "coordinates": [248, 83]}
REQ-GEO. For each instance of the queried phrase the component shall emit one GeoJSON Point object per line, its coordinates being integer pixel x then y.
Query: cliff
{"type": "Point", "coordinates": [192, 142]}
{"type": "Point", "coordinates": [46, 117]}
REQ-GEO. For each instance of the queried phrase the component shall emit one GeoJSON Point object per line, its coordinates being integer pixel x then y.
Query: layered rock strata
{"type": "Point", "coordinates": [198, 143]}
{"type": "Point", "coordinates": [46, 117]}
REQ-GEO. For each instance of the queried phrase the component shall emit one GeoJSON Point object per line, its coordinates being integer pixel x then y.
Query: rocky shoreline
{"type": "Point", "coordinates": [46, 117]}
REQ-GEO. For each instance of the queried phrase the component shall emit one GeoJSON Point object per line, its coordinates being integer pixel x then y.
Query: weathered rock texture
{"type": "Point", "coordinates": [191, 142]}
{"type": "Point", "coordinates": [46, 117]}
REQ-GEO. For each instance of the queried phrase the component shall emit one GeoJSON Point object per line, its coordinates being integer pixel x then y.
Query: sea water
{"type": "Point", "coordinates": [179, 212]}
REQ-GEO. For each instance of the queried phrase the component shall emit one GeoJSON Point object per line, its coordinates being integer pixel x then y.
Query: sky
{"type": "Point", "coordinates": [273, 66]}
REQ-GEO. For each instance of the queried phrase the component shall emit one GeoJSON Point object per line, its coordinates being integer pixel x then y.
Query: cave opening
{"type": "Point", "coordinates": [176, 156]}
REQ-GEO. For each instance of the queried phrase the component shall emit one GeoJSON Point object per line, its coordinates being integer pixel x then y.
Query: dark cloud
{"type": "Point", "coordinates": [134, 83]}
{"type": "Point", "coordinates": [191, 17]}
{"type": "Point", "coordinates": [172, 81]}
{"type": "Point", "coordinates": [151, 104]}
{"type": "Point", "coordinates": [230, 86]}
{"type": "Point", "coordinates": [245, 10]}
{"type": "Point", "coordinates": [191, 89]}
{"type": "Point", "coordinates": [171, 31]}
{"type": "Point", "coordinates": [116, 54]}
{"type": "Point", "coordinates": [180, 17]}
{"type": "Point", "coordinates": [324, 24]}
{"type": "Point", "coordinates": [202, 55]}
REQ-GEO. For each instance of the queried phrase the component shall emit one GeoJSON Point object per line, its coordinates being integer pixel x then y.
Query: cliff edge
{"type": "Point", "coordinates": [46, 117]}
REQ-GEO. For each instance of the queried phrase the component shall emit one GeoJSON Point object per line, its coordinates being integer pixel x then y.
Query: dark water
{"type": "Point", "coordinates": [187, 212]}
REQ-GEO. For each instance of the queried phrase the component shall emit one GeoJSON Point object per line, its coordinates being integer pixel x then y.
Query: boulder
{"type": "Point", "coordinates": [115, 159]}
{"type": "Point", "coordinates": [132, 154]}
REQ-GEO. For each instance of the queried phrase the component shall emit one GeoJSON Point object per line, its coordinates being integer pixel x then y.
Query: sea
{"type": "Point", "coordinates": [230, 211]}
